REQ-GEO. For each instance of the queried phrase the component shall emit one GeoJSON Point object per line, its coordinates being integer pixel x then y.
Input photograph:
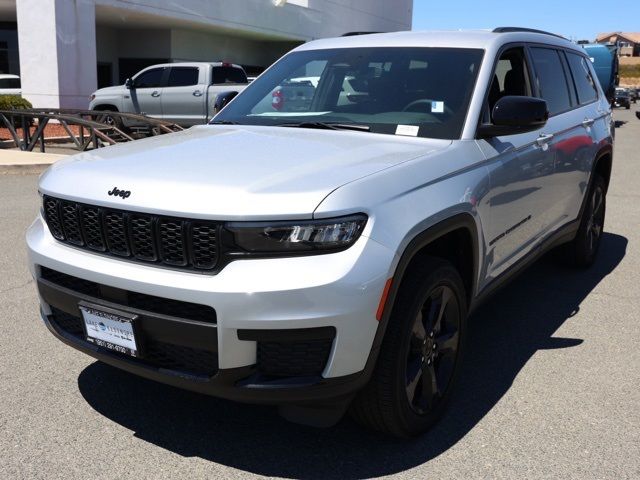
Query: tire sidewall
{"type": "Point", "coordinates": [414, 423]}
{"type": "Point", "coordinates": [585, 254]}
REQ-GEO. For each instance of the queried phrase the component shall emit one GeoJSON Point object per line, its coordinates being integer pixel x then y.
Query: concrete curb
{"type": "Point", "coordinates": [23, 163]}
{"type": "Point", "coordinates": [24, 169]}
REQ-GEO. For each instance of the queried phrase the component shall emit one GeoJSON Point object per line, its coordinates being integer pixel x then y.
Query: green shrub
{"type": "Point", "coordinates": [14, 102]}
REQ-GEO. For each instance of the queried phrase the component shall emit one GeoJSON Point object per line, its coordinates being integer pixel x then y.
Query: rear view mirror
{"type": "Point", "coordinates": [222, 99]}
{"type": "Point", "coordinates": [515, 114]}
{"type": "Point", "coordinates": [128, 83]}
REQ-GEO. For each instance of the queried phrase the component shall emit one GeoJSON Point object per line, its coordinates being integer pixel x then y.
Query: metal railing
{"type": "Point", "coordinates": [96, 128]}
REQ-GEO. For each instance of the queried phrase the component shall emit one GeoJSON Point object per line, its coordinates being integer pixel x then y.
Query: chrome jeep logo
{"type": "Point", "coordinates": [116, 192]}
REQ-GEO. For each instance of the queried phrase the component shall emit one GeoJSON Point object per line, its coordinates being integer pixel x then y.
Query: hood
{"type": "Point", "coordinates": [230, 172]}
{"type": "Point", "coordinates": [107, 90]}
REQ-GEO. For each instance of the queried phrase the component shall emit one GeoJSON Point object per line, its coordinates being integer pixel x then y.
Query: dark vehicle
{"type": "Point", "coordinates": [634, 94]}
{"type": "Point", "coordinates": [622, 99]}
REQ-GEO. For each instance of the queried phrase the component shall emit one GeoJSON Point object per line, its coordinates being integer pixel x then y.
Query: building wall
{"type": "Point", "coordinates": [62, 41]}
{"type": "Point", "coordinates": [191, 45]}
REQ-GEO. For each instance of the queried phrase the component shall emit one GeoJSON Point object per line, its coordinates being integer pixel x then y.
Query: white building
{"type": "Point", "coordinates": [64, 49]}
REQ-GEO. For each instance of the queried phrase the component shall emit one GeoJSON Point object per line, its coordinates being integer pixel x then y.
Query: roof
{"type": "Point", "coordinates": [632, 36]}
{"type": "Point", "coordinates": [483, 39]}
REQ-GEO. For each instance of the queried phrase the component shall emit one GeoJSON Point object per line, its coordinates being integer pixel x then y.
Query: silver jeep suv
{"type": "Point", "coordinates": [324, 253]}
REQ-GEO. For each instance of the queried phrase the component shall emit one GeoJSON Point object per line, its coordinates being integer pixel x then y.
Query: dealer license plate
{"type": "Point", "coordinates": [110, 329]}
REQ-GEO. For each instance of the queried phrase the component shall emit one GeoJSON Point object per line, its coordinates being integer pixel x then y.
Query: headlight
{"type": "Point", "coordinates": [298, 236]}
{"type": "Point", "coordinates": [92, 97]}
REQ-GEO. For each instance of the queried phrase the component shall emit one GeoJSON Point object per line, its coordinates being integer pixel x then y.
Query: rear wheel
{"type": "Point", "coordinates": [582, 251]}
{"type": "Point", "coordinates": [420, 356]}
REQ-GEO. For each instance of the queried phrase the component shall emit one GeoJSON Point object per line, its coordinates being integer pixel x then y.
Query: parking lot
{"type": "Point", "coordinates": [549, 388]}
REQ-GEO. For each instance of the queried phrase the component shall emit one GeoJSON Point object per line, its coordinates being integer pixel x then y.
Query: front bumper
{"type": "Point", "coordinates": [338, 291]}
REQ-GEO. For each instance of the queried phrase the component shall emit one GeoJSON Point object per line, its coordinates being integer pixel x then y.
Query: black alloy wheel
{"type": "Point", "coordinates": [583, 249]}
{"type": "Point", "coordinates": [595, 222]}
{"type": "Point", "coordinates": [433, 350]}
{"type": "Point", "coordinates": [420, 356]}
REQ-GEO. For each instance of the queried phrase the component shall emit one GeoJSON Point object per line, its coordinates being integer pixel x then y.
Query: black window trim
{"type": "Point", "coordinates": [168, 75]}
{"type": "Point", "coordinates": [558, 49]}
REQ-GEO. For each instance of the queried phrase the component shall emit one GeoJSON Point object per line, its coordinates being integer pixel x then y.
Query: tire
{"type": "Point", "coordinates": [109, 119]}
{"type": "Point", "coordinates": [412, 363]}
{"type": "Point", "coordinates": [628, 107]}
{"type": "Point", "coordinates": [583, 249]}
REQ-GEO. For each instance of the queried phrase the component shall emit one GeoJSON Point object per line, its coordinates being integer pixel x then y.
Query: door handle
{"type": "Point", "coordinates": [197, 93]}
{"type": "Point", "coordinates": [155, 93]}
{"type": "Point", "coordinates": [544, 138]}
{"type": "Point", "coordinates": [588, 122]}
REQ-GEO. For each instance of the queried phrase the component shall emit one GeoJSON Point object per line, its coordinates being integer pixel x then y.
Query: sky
{"type": "Point", "coordinates": [577, 20]}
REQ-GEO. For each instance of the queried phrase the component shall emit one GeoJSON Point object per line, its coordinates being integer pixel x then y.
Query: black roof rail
{"type": "Point", "coordinates": [527, 30]}
{"type": "Point", "coordinates": [353, 34]}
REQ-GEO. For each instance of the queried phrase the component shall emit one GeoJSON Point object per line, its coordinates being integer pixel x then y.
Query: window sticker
{"type": "Point", "coordinates": [410, 130]}
{"type": "Point", "coordinates": [437, 107]}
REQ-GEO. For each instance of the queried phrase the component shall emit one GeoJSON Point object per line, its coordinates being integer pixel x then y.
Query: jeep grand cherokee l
{"type": "Point", "coordinates": [327, 256]}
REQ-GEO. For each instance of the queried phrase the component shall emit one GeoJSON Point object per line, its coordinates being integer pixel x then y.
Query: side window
{"type": "Point", "coordinates": [9, 83]}
{"type": "Point", "coordinates": [150, 78]}
{"type": "Point", "coordinates": [552, 82]}
{"type": "Point", "coordinates": [183, 76]}
{"type": "Point", "coordinates": [587, 90]}
{"type": "Point", "coordinates": [511, 77]}
{"type": "Point", "coordinates": [228, 75]}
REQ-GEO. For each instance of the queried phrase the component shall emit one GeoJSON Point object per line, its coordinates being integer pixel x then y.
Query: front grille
{"type": "Point", "coordinates": [152, 239]}
{"type": "Point", "coordinates": [155, 354]}
{"type": "Point", "coordinates": [293, 359]}
{"type": "Point", "coordinates": [140, 301]}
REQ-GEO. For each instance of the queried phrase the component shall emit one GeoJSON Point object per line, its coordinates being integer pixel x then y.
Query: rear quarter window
{"type": "Point", "coordinates": [228, 75]}
{"type": "Point", "coordinates": [585, 84]}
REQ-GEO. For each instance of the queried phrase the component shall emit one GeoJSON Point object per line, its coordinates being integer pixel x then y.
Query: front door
{"type": "Point", "coordinates": [518, 205]}
{"type": "Point", "coordinates": [145, 95]}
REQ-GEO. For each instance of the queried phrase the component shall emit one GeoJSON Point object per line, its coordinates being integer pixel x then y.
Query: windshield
{"type": "Point", "coordinates": [396, 90]}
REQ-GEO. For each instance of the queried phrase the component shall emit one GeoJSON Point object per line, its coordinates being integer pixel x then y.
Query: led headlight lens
{"type": "Point", "coordinates": [298, 236]}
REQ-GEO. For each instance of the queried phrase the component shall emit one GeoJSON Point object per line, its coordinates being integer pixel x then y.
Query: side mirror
{"type": "Point", "coordinates": [222, 99]}
{"type": "Point", "coordinates": [515, 114]}
{"type": "Point", "coordinates": [128, 83]}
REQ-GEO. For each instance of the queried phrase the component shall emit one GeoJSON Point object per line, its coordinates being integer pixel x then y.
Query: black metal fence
{"type": "Point", "coordinates": [96, 128]}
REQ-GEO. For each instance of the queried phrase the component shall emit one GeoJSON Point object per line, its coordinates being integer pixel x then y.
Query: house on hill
{"type": "Point", "coordinates": [628, 42]}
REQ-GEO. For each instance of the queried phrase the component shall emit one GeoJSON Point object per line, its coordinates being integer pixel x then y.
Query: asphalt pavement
{"type": "Point", "coordinates": [550, 387]}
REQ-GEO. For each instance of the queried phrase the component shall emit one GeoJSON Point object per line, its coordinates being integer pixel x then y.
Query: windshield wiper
{"type": "Point", "coordinates": [223, 122]}
{"type": "Point", "coordinates": [328, 126]}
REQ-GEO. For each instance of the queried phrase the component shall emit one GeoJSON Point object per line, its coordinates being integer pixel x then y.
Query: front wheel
{"type": "Point", "coordinates": [420, 356]}
{"type": "Point", "coordinates": [108, 118]}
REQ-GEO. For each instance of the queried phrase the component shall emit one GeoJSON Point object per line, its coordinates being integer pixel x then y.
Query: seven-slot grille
{"type": "Point", "coordinates": [176, 242]}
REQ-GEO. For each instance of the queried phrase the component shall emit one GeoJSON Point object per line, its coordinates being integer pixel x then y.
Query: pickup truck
{"type": "Point", "coordinates": [183, 93]}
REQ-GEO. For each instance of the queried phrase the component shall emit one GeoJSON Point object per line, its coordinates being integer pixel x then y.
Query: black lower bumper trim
{"type": "Point", "coordinates": [238, 384]}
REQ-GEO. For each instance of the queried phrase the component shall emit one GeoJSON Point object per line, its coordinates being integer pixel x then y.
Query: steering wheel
{"type": "Point", "coordinates": [411, 107]}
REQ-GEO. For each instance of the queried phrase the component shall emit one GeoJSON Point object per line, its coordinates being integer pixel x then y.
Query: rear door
{"type": "Point", "coordinates": [593, 125]}
{"type": "Point", "coordinates": [572, 146]}
{"type": "Point", "coordinates": [183, 97]}
{"type": "Point", "coordinates": [145, 96]}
